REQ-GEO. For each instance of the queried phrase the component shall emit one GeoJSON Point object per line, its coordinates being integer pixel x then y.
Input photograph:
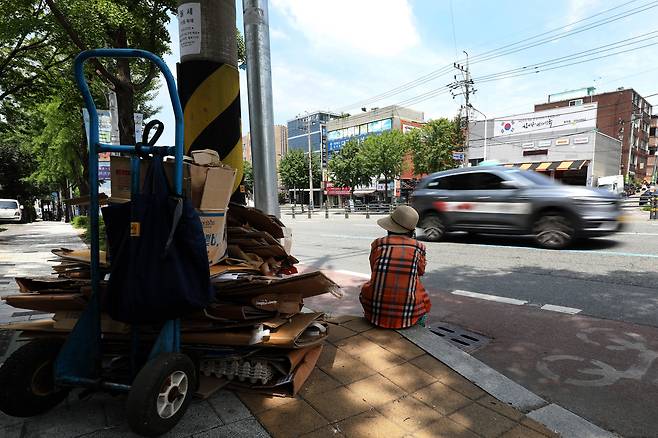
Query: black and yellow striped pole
{"type": "Point", "coordinates": [209, 83]}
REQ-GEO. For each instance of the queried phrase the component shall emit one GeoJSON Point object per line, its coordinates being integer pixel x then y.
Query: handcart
{"type": "Point", "coordinates": [159, 379]}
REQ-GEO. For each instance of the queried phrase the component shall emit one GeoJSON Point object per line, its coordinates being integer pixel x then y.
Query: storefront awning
{"type": "Point", "coordinates": [551, 165]}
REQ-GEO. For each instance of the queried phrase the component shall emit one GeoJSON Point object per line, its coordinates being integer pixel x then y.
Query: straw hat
{"type": "Point", "coordinates": [402, 220]}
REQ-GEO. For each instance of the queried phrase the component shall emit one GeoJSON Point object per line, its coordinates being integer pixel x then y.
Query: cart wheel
{"type": "Point", "coordinates": [161, 394]}
{"type": "Point", "coordinates": [27, 385]}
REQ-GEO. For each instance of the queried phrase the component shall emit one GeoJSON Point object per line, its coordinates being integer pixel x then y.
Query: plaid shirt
{"type": "Point", "coordinates": [394, 297]}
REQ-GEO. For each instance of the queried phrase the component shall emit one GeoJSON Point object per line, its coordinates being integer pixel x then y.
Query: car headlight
{"type": "Point", "coordinates": [594, 201]}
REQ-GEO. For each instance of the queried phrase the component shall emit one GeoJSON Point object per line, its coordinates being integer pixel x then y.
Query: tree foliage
{"type": "Point", "coordinates": [248, 177]}
{"type": "Point", "coordinates": [293, 170]}
{"type": "Point", "coordinates": [432, 145]}
{"type": "Point", "coordinates": [384, 155]}
{"type": "Point", "coordinates": [348, 166]}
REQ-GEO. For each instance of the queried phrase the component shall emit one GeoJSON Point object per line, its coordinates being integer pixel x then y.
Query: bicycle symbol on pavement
{"type": "Point", "coordinates": [603, 374]}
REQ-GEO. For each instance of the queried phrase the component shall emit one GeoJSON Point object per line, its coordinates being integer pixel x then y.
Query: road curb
{"type": "Point", "coordinates": [554, 417]}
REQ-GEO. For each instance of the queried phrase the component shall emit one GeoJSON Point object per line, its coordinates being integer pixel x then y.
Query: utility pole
{"type": "Point", "coordinates": [466, 87]}
{"type": "Point", "coordinates": [209, 83]}
{"type": "Point", "coordinates": [261, 112]}
{"type": "Point", "coordinates": [310, 163]}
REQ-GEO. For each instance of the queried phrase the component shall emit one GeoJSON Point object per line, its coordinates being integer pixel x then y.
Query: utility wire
{"type": "Point", "coordinates": [509, 48]}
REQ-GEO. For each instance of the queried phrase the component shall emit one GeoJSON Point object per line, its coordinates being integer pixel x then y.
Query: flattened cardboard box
{"type": "Point", "coordinates": [214, 229]}
{"type": "Point", "coordinates": [212, 187]}
{"type": "Point", "coordinates": [293, 334]}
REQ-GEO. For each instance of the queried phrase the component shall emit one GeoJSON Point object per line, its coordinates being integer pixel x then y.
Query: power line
{"type": "Point", "coordinates": [491, 54]}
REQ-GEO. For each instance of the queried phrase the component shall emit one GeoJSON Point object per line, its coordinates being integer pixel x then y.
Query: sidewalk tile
{"type": "Point", "coordinates": [243, 428]}
{"type": "Point", "coordinates": [342, 319]}
{"type": "Point", "coordinates": [328, 354]}
{"type": "Point", "coordinates": [358, 325]}
{"type": "Point", "coordinates": [347, 369]}
{"type": "Point", "coordinates": [229, 408]}
{"type": "Point", "coordinates": [198, 418]}
{"type": "Point", "coordinates": [409, 413]}
{"type": "Point", "coordinates": [482, 420]}
{"type": "Point", "coordinates": [431, 366]}
{"type": "Point", "coordinates": [12, 431]}
{"type": "Point", "coordinates": [441, 398]}
{"type": "Point", "coordinates": [292, 419]}
{"type": "Point", "coordinates": [258, 403]}
{"type": "Point", "coordinates": [325, 432]}
{"type": "Point", "coordinates": [379, 358]}
{"type": "Point", "coordinates": [318, 382]}
{"type": "Point", "coordinates": [458, 383]}
{"type": "Point", "coordinates": [356, 345]}
{"type": "Point", "coordinates": [500, 407]}
{"type": "Point", "coordinates": [377, 390]}
{"type": "Point", "coordinates": [337, 332]}
{"type": "Point", "coordinates": [382, 335]}
{"type": "Point", "coordinates": [522, 432]}
{"type": "Point", "coordinates": [445, 428]}
{"type": "Point", "coordinates": [338, 404]}
{"type": "Point", "coordinates": [370, 424]}
{"type": "Point", "coordinates": [404, 348]}
{"type": "Point", "coordinates": [408, 377]}
{"type": "Point", "coordinates": [538, 427]}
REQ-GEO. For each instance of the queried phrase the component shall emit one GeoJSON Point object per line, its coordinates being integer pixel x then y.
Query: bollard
{"type": "Point", "coordinates": [326, 210]}
{"type": "Point", "coordinates": [293, 211]}
{"type": "Point", "coordinates": [653, 214]}
{"type": "Point", "coordinates": [367, 211]}
{"type": "Point", "coordinates": [302, 208]}
{"type": "Point", "coordinates": [347, 212]}
{"type": "Point", "coordinates": [390, 208]}
{"type": "Point", "coordinates": [309, 212]}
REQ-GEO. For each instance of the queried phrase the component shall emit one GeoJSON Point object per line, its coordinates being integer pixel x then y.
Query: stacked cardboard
{"type": "Point", "coordinates": [253, 336]}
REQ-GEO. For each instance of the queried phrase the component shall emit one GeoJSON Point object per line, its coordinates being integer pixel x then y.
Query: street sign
{"type": "Point", "coordinates": [459, 156]}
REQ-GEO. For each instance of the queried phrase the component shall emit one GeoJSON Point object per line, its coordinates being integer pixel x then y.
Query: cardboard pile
{"type": "Point", "coordinates": [253, 336]}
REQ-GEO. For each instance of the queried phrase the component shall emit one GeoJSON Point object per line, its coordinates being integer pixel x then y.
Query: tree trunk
{"type": "Point", "coordinates": [125, 92]}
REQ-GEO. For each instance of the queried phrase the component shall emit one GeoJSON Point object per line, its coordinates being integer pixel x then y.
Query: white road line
{"type": "Point", "coordinates": [352, 273]}
{"type": "Point", "coordinates": [561, 309]}
{"type": "Point", "coordinates": [489, 297]}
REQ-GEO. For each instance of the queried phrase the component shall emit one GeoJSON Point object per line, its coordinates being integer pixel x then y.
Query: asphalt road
{"type": "Point", "coordinates": [612, 278]}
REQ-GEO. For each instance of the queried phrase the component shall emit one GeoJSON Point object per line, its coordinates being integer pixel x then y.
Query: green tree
{"type": "Point", "coordinates": [384, 155]}
{"type": "Point", "coordinates": [248, 177]}
{"type": "Point", "coordinates": [432, 145]}
{"type": "Point", "coordinates": [293, 170]}
{"type": "Point", "coordinates": [348, 166]}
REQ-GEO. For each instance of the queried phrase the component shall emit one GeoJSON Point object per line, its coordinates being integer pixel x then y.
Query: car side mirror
{"type": "Point", "coordinates": [509, 185]}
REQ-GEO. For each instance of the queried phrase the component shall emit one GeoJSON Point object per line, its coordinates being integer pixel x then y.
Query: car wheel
{"type": "Point", "coordinates": [433, 228]}
{"type": "Point", "coordinates": [553, 231]}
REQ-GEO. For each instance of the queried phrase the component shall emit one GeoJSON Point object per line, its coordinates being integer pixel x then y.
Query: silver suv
{"type": "Point", "coordinates": [501, 200]}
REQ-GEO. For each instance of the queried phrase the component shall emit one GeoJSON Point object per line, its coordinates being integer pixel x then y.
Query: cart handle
{"type": "Point", "coordinates": [95, 146]}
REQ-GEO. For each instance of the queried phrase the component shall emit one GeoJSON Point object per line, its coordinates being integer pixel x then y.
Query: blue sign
{"type": "Point", "coordinates": [104, 170]}
{"type": "Point", "coordinates": [459, 156]}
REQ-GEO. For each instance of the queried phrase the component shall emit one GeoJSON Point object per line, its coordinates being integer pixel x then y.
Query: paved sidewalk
{"type": "Point", "coordinates": [372, 382]}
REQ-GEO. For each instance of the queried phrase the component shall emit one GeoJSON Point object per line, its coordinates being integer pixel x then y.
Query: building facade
{"type": "Point", "coordinates": [310, 127]}
{"type": "Point", "coordinates": [360, 126]}
{"type": "Point", "coordinates": [653, 146]}
{"type": "Point", "coordinates": [280, 142]}
{"type": "Point", "coordinates": [624, 115]}
{"type": "Point", "coordinates": [563, 143]}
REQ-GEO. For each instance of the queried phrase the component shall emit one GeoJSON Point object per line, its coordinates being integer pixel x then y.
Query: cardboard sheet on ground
{"type": "Point", "coordinates": [80, 255]}
{"type": "Point", "coordinates": [239, 215]}
{"type": "Point", "coordinates": [307, 285]}
{"type": "Point", "coordinates": [47, 303]}
{"type": "Point", "coordinates": [48, 284]}
{"type": "Point", "coordinates": [303, 330]}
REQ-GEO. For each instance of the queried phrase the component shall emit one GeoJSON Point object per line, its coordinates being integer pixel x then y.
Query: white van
{"type": "Point", "coordinates": [10, 210]}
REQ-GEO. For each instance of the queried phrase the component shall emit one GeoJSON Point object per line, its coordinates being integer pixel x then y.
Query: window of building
{"type": "Point", "coordinates": [575, 102]}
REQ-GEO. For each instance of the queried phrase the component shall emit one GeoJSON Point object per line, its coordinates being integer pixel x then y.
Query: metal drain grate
{"type": "Point", "coordinates": [462, 338]}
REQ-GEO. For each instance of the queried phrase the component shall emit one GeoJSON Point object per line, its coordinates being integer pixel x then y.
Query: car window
{"type": "Point", "coordinates": [485, 181]}
{"type": "Point", "coordinates": [8, 204]}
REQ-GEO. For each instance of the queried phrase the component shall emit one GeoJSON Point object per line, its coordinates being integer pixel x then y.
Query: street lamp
{"type": "Point", "coordinates": [484, 155]}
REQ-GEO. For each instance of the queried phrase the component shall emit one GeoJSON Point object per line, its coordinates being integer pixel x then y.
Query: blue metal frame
{"type": "Point", "coordinates": [80, 358]}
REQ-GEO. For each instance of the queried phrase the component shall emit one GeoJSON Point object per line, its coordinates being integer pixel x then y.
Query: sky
{"type": "Point", "coordinates": [333, 55]}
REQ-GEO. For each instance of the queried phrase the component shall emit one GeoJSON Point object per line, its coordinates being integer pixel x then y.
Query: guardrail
{"type": "Point", "coordinates": [363, 209]}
